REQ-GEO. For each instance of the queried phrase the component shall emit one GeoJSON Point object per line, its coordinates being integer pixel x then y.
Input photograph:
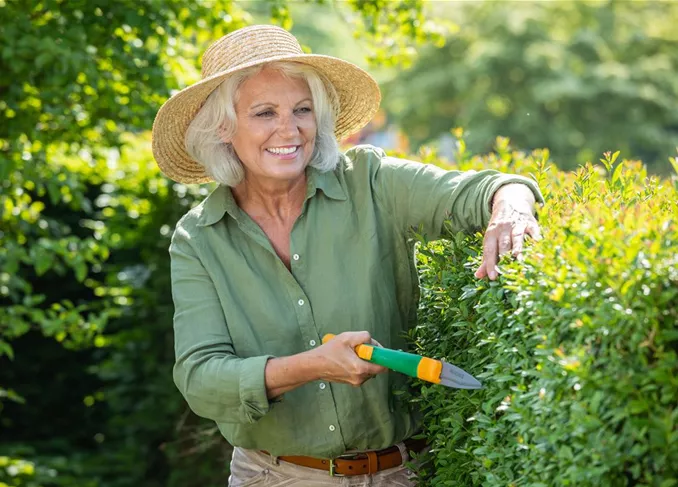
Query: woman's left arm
{"type": "Point", "coordinates": [513, 210]}
{"type": "Point", "coordinates": [423, 197]}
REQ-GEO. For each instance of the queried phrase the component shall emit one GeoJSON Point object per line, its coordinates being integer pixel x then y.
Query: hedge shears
{"type": "Point", "coordinates": [424, 368]}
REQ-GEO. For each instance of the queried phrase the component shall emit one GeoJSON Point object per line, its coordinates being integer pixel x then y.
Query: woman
{"type": "Point", "coordinates": [298, 241]}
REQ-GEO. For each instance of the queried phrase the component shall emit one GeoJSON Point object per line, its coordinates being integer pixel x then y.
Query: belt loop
{"type": "Point", "coordinates": [373, 462]}
{"type": "Point", "coordinates": [274, 459]}
{"type": "Point", "coordinates": [403, 452]}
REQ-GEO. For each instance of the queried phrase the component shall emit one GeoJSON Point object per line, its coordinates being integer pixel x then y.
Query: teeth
{"type": "Point", "coordinates": [282, 150]}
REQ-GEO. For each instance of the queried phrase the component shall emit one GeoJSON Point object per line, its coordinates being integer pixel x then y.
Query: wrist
{"type": "Point", "coordinates": [518, 206]}
{"type": "Point", "coordinates": [314, 364]}
{"type": "Point", "coordinates": [515, 196]}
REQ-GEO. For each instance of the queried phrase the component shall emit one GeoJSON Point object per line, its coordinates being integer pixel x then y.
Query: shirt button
{"type": "Point", "coordinates": [295, 256]}
{"type": "Point", "coordinates": [332, 428]}
{"type": "Point", "coordinates": [312, 343]}
{"type": "Point", "coordinates": [322, 385]}
{"type": "Point", "coordinates": [300, 302]}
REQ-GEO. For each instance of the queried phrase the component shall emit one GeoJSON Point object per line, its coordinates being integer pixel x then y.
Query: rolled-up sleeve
{"type": "Point", "coordinates": [423, 196]}
{"type": "Point", "coordinates": [216, 383]}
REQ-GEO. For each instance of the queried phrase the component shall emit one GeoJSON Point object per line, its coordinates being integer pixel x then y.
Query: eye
{"type": "Point", "coordinates": [265, 113]}
{"type": "Point", "coordinates": [304, 110]}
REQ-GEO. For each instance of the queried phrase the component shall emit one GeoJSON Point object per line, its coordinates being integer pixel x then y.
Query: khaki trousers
{"type": "Point", "coordinates": [253, 468]}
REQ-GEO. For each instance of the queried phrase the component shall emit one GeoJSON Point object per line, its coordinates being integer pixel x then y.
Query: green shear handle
{"type": "Point", "coordinates": [424, 368]}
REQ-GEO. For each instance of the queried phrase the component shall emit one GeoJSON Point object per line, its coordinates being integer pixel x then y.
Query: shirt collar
{"type": "Point", "coordinates": [328, 182]}
{"type": "Point", "coordinates": [221, 201]}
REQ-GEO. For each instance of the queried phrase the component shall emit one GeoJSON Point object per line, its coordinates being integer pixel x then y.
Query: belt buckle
{"type": "Point", "coordinates": [351, 456]}
{"type": "Point", "coordinates": [332, 466]}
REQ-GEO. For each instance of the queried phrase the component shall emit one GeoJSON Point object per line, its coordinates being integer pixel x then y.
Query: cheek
{"type": "Point", "coordinates": [251, 135]}
{"type": "Point", "coordinates": [309, 127]}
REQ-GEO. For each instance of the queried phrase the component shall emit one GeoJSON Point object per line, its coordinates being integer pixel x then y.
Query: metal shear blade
{"type": "Point", "coordinates": [453, 376]}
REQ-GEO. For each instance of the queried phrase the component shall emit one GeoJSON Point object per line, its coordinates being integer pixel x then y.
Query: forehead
{"type": "Point", "coordinates": [271, 85]}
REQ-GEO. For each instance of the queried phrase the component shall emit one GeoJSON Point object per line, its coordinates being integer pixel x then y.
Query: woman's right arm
{"type": "Point", "coordinates": [335, 361]}
{"type": "Point", "coordinates": [216, 383]}
{"type": "Point", "coordinates": [223, 387]}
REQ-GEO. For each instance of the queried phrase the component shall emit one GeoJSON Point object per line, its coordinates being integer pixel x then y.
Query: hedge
{"type": "Point", "coordinates": [575, 345]}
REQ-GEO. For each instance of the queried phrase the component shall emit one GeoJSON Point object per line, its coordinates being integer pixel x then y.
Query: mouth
{"type": "Point", "coordinates": [286, 152]}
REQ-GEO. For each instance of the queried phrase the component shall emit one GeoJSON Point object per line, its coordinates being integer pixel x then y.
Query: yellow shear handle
{"type": "Point", "coordinates": [363, 351]}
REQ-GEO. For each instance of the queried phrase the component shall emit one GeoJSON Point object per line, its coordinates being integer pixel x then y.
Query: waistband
{"type": "Point", "coordinates": [359, 463]}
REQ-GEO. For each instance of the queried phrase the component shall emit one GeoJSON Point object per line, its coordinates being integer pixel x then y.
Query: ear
{"type": "Point", "coordinates": [222, 135]}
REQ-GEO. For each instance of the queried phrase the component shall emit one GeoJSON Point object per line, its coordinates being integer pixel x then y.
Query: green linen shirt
{"type": "Point", "coordinates": [352, 269]}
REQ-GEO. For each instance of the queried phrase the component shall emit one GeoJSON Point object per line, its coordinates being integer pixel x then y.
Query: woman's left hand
{"type": "Point", "coordinates": [512, 219]}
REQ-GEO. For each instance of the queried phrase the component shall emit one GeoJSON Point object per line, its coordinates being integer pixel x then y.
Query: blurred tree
{"type": "Point", "coordinates": [86, 397]}
{"type": "Point", "coordinates": [577, 77]}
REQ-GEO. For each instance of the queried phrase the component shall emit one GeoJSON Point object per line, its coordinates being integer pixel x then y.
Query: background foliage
{"type": "Point", "coordinates": [579, 78]}
{"type": "Point", "coordinates": [86, 397]}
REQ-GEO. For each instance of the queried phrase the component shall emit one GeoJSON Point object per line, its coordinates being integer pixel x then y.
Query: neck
{"type": "Point", "coordinates": [280, 201]}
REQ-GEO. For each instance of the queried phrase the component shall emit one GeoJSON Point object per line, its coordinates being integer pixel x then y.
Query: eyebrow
{"type": "Point", "coordinates": [266, 103]}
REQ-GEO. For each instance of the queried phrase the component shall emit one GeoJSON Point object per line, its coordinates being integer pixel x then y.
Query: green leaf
{"type": "Point", "coordinates": [617, 173]}
{"type": "Point", "coordinates": [43, 261]}
{"type": "Point", "coordinates": [674, 163]}
{"type": "Point", "coordinates": [80, 271]}
{"type": "Point", "coordinates": [638, 406]}
{"type": "Point", "coordinates": [6, 349]}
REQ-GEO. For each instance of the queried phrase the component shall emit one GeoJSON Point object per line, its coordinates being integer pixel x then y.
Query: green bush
{"type": "Point", "coordinates": [576, 346]}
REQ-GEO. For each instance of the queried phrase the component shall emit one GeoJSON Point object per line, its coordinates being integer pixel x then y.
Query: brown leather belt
{"type": "Point", "coordinates": [359, 463]}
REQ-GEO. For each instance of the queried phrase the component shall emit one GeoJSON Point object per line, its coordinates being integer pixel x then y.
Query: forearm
{"type": "Point", "coordinates": [517, 195]}
{"type": "Point", "coordinates": [282, 374]}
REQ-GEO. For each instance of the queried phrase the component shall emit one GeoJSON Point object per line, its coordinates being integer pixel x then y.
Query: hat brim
{"type": "Point", "coordinates": [358, 94]}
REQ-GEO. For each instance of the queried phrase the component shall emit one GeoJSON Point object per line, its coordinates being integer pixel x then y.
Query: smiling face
{"type": "Point", "coordinates": [276, 127]}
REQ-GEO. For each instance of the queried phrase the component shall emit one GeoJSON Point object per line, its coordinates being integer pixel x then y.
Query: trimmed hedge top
{"type": "Point", "coordinates": [576, 346]}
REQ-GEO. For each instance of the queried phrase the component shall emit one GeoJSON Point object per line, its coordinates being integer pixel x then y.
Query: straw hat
{"type": "Point", "coordinates": [358, 92]}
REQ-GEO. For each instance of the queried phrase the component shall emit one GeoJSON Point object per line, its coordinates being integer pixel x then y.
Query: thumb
{"type": "Point", "coordinates": [359, 338]}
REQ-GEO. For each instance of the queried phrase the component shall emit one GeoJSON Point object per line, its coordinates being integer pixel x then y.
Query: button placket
{"type": "Point", "coordinates": [308, 327]}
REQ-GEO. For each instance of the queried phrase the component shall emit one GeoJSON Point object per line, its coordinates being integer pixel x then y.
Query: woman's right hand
{"type": "Point", "coordinates": [339, 362]}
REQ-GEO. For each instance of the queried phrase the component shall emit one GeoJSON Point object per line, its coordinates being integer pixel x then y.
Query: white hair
{"type": "Point", "coordinates": [217, 121]}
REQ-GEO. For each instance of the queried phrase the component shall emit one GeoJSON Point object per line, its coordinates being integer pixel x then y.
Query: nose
{"type": "Point", "coordinates": [288, 126]}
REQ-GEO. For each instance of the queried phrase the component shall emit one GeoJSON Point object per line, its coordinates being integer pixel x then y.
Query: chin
{"type": "Point", "coordinates": [289, 175]}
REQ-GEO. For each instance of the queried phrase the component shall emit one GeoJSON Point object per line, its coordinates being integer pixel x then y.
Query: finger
{"type": "Point", "coordinates": [481, 272]}
{"type": "Point", "coordinates": [364, 368]}
{"type": "Point", "coordinates": [517, 239]}
{"type": "Point", "coordinates": [376, 343]}
{"type": "Point", "coordinates": [504, 243]}
{"type": "Point", "coordinates": [374, 369]}
{"type": "Point", "coordinates": [490, 257]}
{"type": "Point", "coordinates": [534, 231]}
{"type": "Point", "coordinates": [372, 376]}
{"type": "Point", "coordinates": [355, 338]}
